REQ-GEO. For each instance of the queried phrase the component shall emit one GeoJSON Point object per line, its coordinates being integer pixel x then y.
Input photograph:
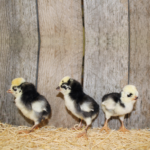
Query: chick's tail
{"type": "Point", "coordinates": [46, 112]}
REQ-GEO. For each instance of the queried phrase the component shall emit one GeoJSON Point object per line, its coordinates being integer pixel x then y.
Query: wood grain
{"type": "Point", "coordinates": [18, 52]}
{"type": "Point", "coordinates": [140, 61]}
{"type": "Point", "coordinates": [61, 36]}
{"type": "Point", "coordinates": [106, 50]}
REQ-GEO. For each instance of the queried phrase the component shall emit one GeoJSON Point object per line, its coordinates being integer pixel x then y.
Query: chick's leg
{"type": "Point", "coordinates": [28, 131]}
{"type": "Point", "coordinates": [84, 134]}
{"type": "Point", "coordinates": [79, 126]}
{"type": "Point", "coordinates": [122, 128]}
{"type": "Point", "coordinates": [34, 127]}
{"type": "Point", "coordinates": [105, 127]}
{"type": "Point", "coordinates": [88, 122]}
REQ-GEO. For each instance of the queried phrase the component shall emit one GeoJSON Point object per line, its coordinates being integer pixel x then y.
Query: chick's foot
{"type": "Point", "coordinates": [35, 127]}
{"type": "Point", "coordinates": [77, 128]}
{"type": "Point", "coordinates": [24, 131]}
{"type": "Point", "coordinates": [84, 134]}
{"type": "Point", "coordinates": [123, 129]}
{"type": "Point", "coordinates": [106, 128]}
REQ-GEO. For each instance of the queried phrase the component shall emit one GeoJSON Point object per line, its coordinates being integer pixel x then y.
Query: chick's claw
{"type": "Point", "coordinates": [106, 128]}
{"type": "Point", "coordinates": [84, 134]}
{"type": "Point", "coordinates": [24, 131]}
{"type": "Point", "coordinates": [123, 129]}
{"type": "Point", "coordinates": [36, 127]}
{"type": "Point", "coordinates": [76, 128]}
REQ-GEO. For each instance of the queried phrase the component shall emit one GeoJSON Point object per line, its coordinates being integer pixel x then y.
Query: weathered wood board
{"type": "Point", "coordinates": [106, 50]}
{"type": "Point", "coordinates": [18, 52]}
{"type": "Point", "coordinates": [61, 51]}
{"type": "Point", "coordinates": [140, 61]}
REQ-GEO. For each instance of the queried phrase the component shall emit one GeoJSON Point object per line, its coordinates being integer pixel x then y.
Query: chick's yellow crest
{"type": "Point", "coordinates": [130, 88]}
{"type": "Point", "coordinates": [65, 79]}
{"type": "Point", "coordinates": [17, 81]}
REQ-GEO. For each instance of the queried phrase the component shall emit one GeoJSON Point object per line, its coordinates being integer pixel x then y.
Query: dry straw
{"type": "Point", "coordinates": [51, 138]}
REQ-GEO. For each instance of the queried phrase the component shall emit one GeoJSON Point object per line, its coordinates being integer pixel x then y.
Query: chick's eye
{"type": "Point", "coordinates": [64, 87]}
{"type": "Point", "coordinates": [129, 95]}
{"type": "Point", "coordinates": [14, 88]}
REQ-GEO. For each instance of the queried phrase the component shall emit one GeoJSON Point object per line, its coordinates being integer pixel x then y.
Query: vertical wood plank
{"type": "Point", "coordinates": [18, 52]}
{"type": "Point", "coordinates": [140, 61]}
{"type": "Point", "coordinates": [61, 36]}
{"type": "Point", "coordinates": [106, 50]}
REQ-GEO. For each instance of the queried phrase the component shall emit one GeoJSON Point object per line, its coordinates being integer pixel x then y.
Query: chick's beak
{"type": "Point", "coordinates": [136, 98]}
{"type": "Point", "coordinates": [9, 91]}
{"type": "Point", "coordinates": [58, 88]}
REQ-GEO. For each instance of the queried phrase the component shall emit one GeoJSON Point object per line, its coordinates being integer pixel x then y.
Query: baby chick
{"type": "Point", "coordinates": [77, 102]}
{"type": "Point", "coordinates": [32, 105]}
{"type": "Point", "coordinates": [119, 104]}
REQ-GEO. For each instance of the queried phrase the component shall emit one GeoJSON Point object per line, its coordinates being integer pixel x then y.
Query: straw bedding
{"type": "Point", "coordinates": [51, 138]}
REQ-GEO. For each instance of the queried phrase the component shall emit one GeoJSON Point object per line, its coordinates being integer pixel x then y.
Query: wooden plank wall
{"type": "Point", "coordinates": [116, 53]}
{"type": "Point", "coordinates": [61, 52]}
{"type": "Point", "coordinates": [18, 52]}
{"type": "Point", "coordinates": [140, 61]}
